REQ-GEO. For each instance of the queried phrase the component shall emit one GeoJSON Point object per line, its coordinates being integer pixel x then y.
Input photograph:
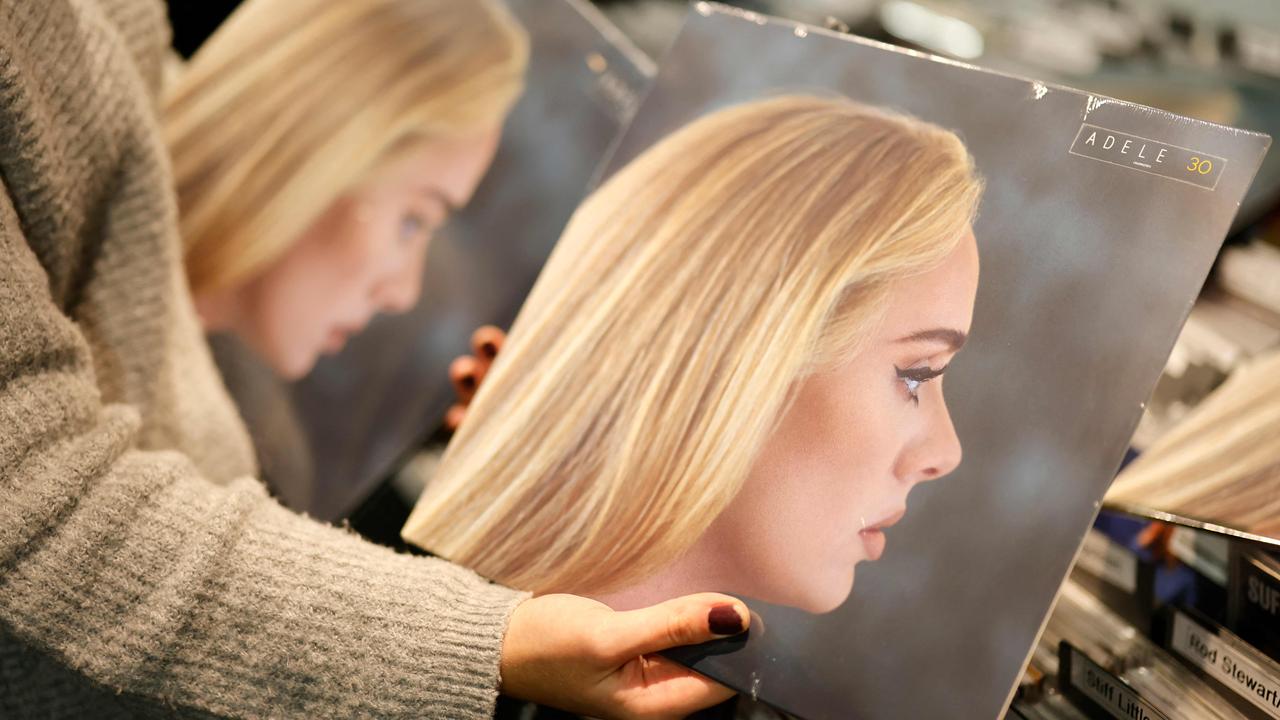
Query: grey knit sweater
{"type": "Point", "coordinates": [143, 570]}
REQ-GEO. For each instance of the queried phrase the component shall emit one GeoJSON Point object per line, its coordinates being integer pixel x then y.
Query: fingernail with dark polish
{"type": "Point", "coordinates": [724, 620]}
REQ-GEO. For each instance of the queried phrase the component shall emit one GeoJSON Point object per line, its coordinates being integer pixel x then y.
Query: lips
{"type": "Point", "coordinates": [336, 339]}
{"type": "Point", "coordinates": [873, 540]}
{"type": "Point", "coordinates": [340, 332]}
{"type": "Point", "coordinates": [888, 520]}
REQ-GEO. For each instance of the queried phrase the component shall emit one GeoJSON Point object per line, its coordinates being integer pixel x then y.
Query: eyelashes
{"type": "Point", "coordinates": [914, 377]}
{"type": "Point", "coordinates": [411, 226]}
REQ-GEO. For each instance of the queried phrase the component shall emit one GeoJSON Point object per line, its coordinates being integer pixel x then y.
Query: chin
{"type": "Point", "coordinates": [819, 598]}
{"type": "Point", "coordinates": [294, 368]}
{"type": "Point", "coordinates": [275, 351]}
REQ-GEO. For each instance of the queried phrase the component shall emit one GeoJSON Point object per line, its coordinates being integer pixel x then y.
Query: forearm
{"type": "Point", "coordinates": [129, 568]}
{"type": "Point", "coordinates": [121, 562]}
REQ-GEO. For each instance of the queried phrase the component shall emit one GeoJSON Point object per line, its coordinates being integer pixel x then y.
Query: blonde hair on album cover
{"type": "Point", "coordinates": [1221, 463]}
{"type": "Point", "coordinates": [685, 298]}
{"type": "Point", "coordinates": [291, 102]}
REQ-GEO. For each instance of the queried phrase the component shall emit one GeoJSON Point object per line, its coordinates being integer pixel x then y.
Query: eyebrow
{"type": "Point", "coordinates": [954, 339]}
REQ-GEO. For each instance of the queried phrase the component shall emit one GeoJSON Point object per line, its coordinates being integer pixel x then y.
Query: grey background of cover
{"type": "Point", "coordinates": [1088, 271]}
{"type": "Point", "coordinates": [358, 414]}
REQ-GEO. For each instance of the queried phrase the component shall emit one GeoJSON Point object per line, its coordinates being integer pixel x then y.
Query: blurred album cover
{"type": "Point", "coordinates": [1218, 469]}
{"type": "Point", "coordinates": [326, 442]}
{"type": "Point", "coordinates": [730, 374]}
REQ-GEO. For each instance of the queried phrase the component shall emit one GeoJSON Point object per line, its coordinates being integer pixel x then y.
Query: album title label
{"type": "Point", "coordinates": [1150, 156]}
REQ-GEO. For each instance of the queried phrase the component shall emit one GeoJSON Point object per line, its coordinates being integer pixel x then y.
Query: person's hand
{"type": "Point", "coordinates": [466, 371]}
{"type": "Point", "coordinates": [578, 655]}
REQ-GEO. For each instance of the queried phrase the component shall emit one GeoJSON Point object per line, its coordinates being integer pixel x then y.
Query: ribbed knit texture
{"type": "Point", "coordinates": [143, 570]}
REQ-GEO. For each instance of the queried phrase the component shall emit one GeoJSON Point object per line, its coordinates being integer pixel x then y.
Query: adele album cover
{"type": "Point", "coordinates": [857, 334]}
{"type": "Point", "coordinates": [390, 385]}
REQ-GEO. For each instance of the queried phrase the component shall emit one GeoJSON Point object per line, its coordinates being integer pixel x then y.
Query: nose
{"type": "Point", "coordinates": [399, 292]}
{"type": "Point", "coordinates": [936, 453]}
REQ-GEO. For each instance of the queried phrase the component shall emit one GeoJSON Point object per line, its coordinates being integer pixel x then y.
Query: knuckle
{"type": "Point", "coordinates": [678, 631]}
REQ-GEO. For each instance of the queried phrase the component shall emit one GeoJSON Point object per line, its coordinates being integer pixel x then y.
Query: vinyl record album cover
{"type": "Point", "coordinates": [728, 376]}
{"type": "Point", "coordinates": [326, 442]}
{"type": "Point", "coordinates": [1217, 469]}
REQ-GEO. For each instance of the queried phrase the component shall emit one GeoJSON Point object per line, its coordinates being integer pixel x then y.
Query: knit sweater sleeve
{"type": "Point", "coordinates": [119, 558]}
{"type": "Point", "coordinates": [132, 570]}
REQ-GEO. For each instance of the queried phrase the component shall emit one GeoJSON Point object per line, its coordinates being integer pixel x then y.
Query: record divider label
{"type": "Point", "coordinates": [1246, 678]}
{"type": "Point", "coordinates": [1099, 692]}
{"type": "Point", "coordinates": [1253, 606]}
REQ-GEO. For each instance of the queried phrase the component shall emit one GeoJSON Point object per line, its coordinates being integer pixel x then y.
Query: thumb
{"type": "Point", "coordinates": [687, 620]}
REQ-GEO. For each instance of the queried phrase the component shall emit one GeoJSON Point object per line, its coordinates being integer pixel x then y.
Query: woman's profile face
{"type": "Point", "coordinates": [849, 449]}
{"type": "Point", "coordinates": [363, 255]}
